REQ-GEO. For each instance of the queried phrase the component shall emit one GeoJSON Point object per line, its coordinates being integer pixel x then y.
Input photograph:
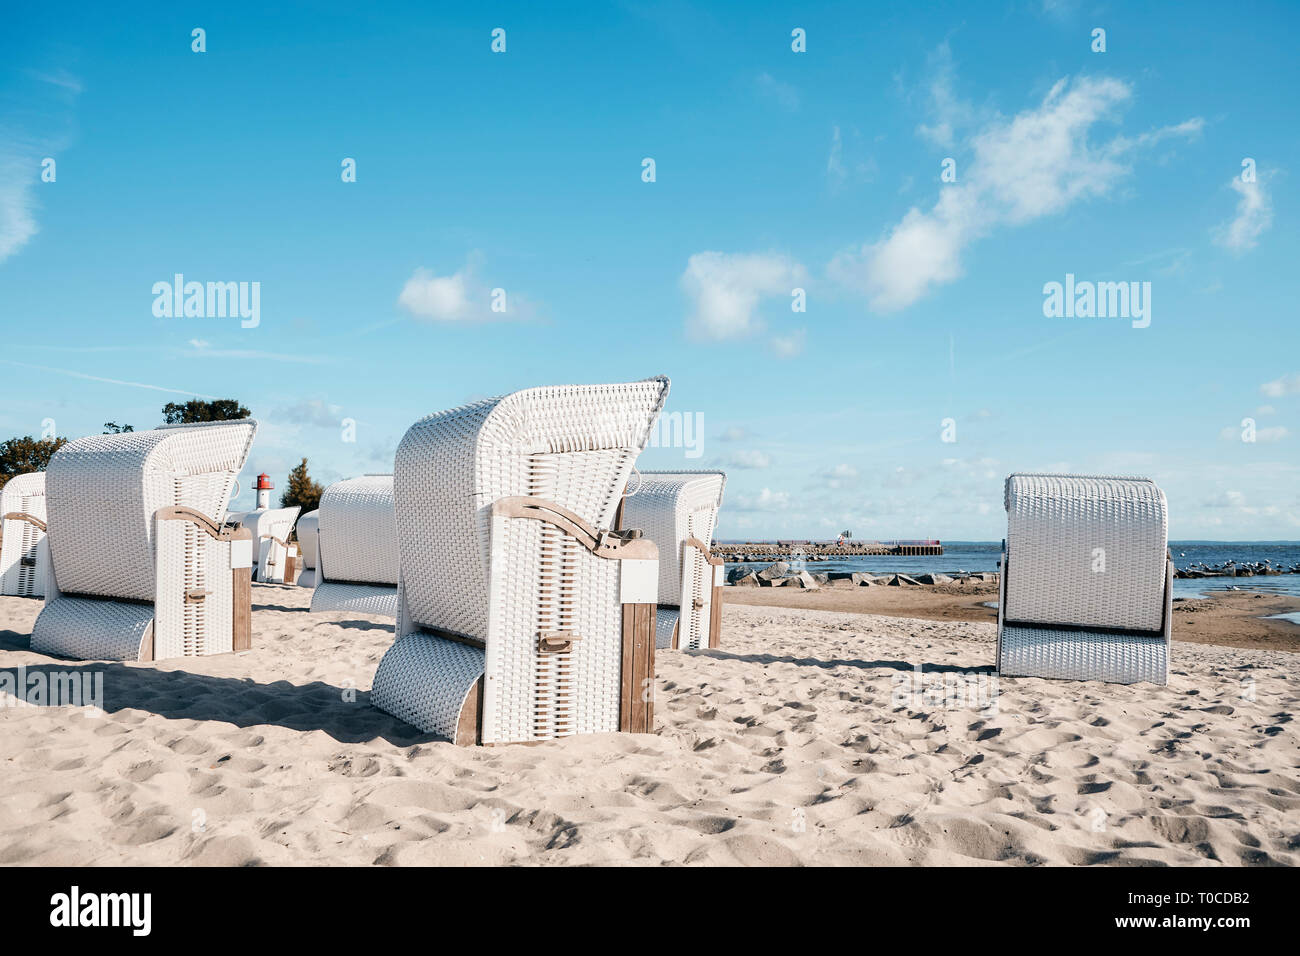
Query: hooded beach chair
{"type": "Point", "coordinates": [356, 547]}
{"type": "Point", "coordinates": [678, 511]}
{"type": "Point", "coordinates": [142, 563]}
{"type": "Point", "coordinates": [270, 528]}
{"type": "Point", "coordinates": [1087, 580]}
{"type": "Point", "coordinates": [307, 532]}
{"type": "Point", "coordinates": [521, 615]}
{"type": "Point", "coordinates": [24, 554]}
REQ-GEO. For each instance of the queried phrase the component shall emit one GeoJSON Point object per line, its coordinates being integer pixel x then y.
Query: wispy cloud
{"type": "Point", "coordinates": [1036, 164]}
{"type": "Point", "coordinates": [783, 94]}
{"type": "Point", "coordinates": [18, 174]}
{"type": "Point", "coordinates": [314, 411]}
{"type": "Point", "coordinates": [108, 381]}
{"type": "Point", "coordinates": [765, 500]}
{"type": "Point", "coordinates": [205, 350]}
{"type": "Point", "coordinates": [1270, 434]}
{"type": "Point", "coordinates": [1286, 385]}
{"type": "Point", "coordinates": [748, 459]}
{"type": "Point", "coordinates": [22, 151]}
{"type": "Point", "coordinates": [725, 290]}
{"type": "Point", "coordinates": [788, 346]}
{"type": "Point", "coordinates": [1254, 215]}
{"type": "Point", "coordinates": [459, 297]}
{"type": "Point", "coordinates": [60, 78]}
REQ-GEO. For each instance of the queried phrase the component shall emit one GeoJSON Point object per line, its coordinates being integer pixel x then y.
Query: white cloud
{"type": "Point", "coordinates": [1036, 164]}
{"type": "Point", "coordinates": [1273, 433]}
{"type": "Point", "coordinates": [725, 290]}
{"type": "Point", "coordinates": [765, 500]}
{"type": "Point", "coordinates": [839, 171]}
{"type": "Point", "coordinates": [748, 459]}
{"type": "Point", "coordinates": [788, 346]}
{"type": "Point", "coordinates": [734, 433]}
{"type": "Point", "coordinates": [200, 343]}
{"type": "Point", "coordinates": [459, 297]}
{"type": "Point", "coordinates": [1286, 385]}
{"type": "Point", "coordinates": [17, 204]}
{"type": "Point", "coordinates": [835, 161]}
{"type": "Point", "coordinates": [22, 150]}
{"type": "Point", "coordinates": [841, 476]}
{"type": "Point", "coordinates": [1254, 215]}
{"type": "Point", "coordinates": [313, 412]}
{"type": "Point", "coordinates": [1226, 499]}
{"type": "Point", "coordinates": [948, 111]}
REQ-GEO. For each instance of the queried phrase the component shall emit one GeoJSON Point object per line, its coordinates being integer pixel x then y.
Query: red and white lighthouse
{"type": "Point", "coordinates": [263, 487]}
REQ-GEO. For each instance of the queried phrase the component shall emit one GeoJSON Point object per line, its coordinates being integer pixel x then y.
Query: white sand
{"type": "Point", "coordinates": [785, 747]}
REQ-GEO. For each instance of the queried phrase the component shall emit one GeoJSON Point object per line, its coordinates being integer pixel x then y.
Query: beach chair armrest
{"type": "Point", "coordinates": [613, 545]}
{"type": "Point", "coordinates": [24, 516]}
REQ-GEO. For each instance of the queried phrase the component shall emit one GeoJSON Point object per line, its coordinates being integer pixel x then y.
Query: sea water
{"type": "Point", "coordinates": [984, 555]}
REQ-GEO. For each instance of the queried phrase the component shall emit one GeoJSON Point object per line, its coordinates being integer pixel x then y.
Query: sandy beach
{"type": "Point", "coordinates": [808, 738]}
{"type": "Point", "coordinates": [1229, 619]}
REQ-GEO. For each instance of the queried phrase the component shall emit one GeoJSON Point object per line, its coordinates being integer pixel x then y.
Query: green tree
{"type": "Point", "coordinates": [112, 428]}
{"type": "Point", "coordinates": [197, 410]}
{"type": "Point", "coordinates": [18, 456]}
{"type": "Point", "coordinates": [301, 490]}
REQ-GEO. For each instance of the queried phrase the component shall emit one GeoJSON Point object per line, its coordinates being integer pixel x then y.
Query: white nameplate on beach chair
{"type": "Point", "coordinates": [241, 553]}
{"type": "Point", "coordinates": [638, 582]}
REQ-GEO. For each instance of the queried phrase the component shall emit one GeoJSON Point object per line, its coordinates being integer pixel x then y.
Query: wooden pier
{"type": "Point", "coordinates": [769, 550]}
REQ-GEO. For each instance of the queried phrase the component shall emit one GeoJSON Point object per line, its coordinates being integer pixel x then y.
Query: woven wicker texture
{"type": "Point", "coordinates": [308, 529]}
{"type": "Point", "coordinates": [504, 580]}
{"type": "Point", "coordinates": [358, 598]}
{"type": "Point", "coordinates": [669, 507]}
{"type": "Point", "coordinates": [23, 555]}
{"type": "Point", "coordinates": [1077, 655]}
{"type": "Point", "coordinates": [1056, 525]}
{"type": "Point", "coordinates": [92, 629]}
{"type": "Point", "coordinates": [424, 681]}
{"type": "Point", "coordinates": [666, 618]}
{"type": "Point", "coordinates": [357, 536]}
{"type": "Point", "coordinates": [102, 492]}
{"type": "Point", "coordinates": [573, 444]}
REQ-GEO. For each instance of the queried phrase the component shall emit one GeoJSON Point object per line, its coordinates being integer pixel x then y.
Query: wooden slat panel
{"type": "Point", "coordinates": [648, 634]}
{"type": "Point", "coordinates": [638, 669]}
{"type": "Point", "coordinates": [715, 618]}
{"type": "Point", "coordinates": [469, 730]}
{"type": "Point", "coordinates": [241, 617]}
{"type": "Point", "coordinates": [625, 689]}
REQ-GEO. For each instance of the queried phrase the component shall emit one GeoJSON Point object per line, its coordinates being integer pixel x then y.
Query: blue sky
{"type": "Point", "coordinates": [774, 170]}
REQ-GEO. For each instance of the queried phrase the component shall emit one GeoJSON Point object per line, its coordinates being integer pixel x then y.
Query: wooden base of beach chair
{"type": "Point", "coordinates": [636, 711]}
{"type": "Point", "coordinates": [241, 618]}
{"type": "Point", "coordinates": [715, 616]}
{"type": "Point", "coordinates": [469, 731]}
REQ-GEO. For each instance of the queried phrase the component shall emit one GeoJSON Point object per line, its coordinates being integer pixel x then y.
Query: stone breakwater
{"type": "Point", "coordinates": [781, 574]}
{"type": "Point", "coordinates": [1231, 569]}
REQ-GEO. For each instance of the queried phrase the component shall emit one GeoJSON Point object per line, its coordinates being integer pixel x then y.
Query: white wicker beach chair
{"type": "Point", "coordinates": [521, 615]}
{"type": "Point", "coordinates": [356, 549]}
{"type": "Point", "coordinates": [142, 563]}
{"type": "Point", "coordinates": [308, 543]}
{"type": "Point", "coordinates": [1087, 580]}
{"type": "Point", "coordinates": [24, 553]}
{"type": "Point", "coordinates": [678, 511]}
{"type": "Point", "coordinates": [272, 549]}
